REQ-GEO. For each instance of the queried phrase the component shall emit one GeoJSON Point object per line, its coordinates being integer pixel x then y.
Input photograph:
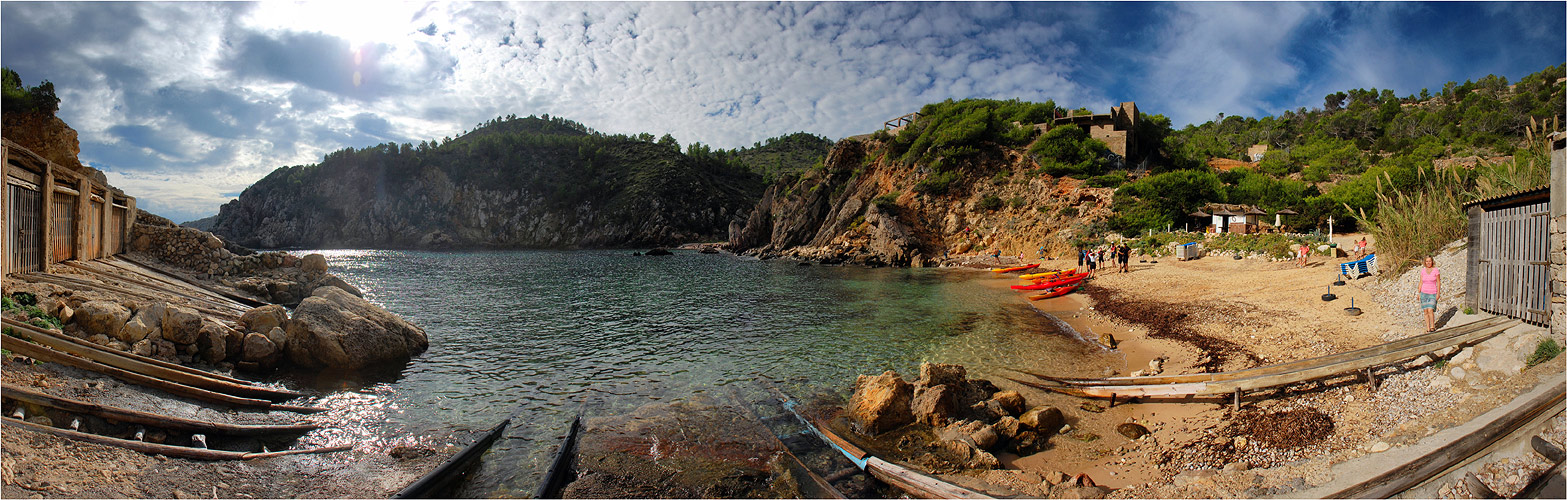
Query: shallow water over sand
{"type": "Point", "coordinates": [549, 333]}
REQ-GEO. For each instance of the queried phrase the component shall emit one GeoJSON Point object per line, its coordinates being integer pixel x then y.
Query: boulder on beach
{"type": "Point", "coordinates": [102, 317]}
{"type": "Point", "coordinates": [880, 403]}
{"type": "Point", "coordinates": [263, 319]}
{"type": "Point", "coordinates": [181, 325]}
{"type": "Point", "coordinates": [147, 321]}
{"type": "Point", "coordinates": [336, 330]}
{"type": "Point", "coordinates": [934, 406]}
{"type": "Point", "coordinates": [1045, 419]}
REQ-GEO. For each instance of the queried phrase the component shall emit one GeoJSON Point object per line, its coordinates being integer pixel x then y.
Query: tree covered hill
{"type": "Point", "coordinates": [533, 182]}
{"type": "Point", "coordinates": [1333, 161]}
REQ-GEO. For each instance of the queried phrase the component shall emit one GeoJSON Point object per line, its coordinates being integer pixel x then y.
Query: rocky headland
{"type": "Point", "coordinates": [865, 206]}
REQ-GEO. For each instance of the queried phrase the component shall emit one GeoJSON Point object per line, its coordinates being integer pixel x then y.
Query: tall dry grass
{"type": "Point", "coordinates": [1412, 224]}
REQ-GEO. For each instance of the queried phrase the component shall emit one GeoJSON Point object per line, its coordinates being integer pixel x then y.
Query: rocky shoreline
{"type": "Point", "coordinates": [312, 322]}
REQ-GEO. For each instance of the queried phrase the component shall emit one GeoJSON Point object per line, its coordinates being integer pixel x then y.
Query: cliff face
{"type": "Point", "coordinates": [862, 207]}
{"type": "Point", "coordinates": [516, 184]}
{"type": "Point", "coordinates": [48, 136]}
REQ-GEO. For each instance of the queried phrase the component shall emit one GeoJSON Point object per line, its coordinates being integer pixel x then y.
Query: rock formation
{"type": "Point", "coordinates": [864, 207]}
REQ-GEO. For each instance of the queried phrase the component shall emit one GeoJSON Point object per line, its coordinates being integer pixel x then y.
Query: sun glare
{"type": "Point", "coordinates": [360, 23]}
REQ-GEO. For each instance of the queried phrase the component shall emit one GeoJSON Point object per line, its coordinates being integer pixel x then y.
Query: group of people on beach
{"type": "Point", "coordinates": [1119, 257]}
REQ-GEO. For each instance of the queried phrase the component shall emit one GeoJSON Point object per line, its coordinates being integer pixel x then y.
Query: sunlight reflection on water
{"type": "Point", "coordinates": [552, 332]}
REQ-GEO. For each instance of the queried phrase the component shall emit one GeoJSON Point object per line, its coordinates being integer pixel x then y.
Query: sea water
{"type": "Point", "coordinates": [548, 334]}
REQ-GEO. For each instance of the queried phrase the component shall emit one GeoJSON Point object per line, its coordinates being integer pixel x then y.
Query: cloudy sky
{"type": "Point", "coordinates": [184, 104]}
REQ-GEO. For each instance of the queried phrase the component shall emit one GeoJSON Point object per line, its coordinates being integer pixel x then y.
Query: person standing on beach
{"type": "Point", "coordinates": [1126, 258]}
{"type": "Point", "coordinates": [1301, 253]}
{"type": "Point", "coordinates": [1082, 256]}
{"type": "Point", "coordinates": [1091, 258]}
{"type": "Point", "coordinates": [1430, 291]}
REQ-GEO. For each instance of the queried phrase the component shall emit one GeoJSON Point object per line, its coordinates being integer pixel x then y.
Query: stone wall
{"type": "Point", "coordinates": [1558, 248]}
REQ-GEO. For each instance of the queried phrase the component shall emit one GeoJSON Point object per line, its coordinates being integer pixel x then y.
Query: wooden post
{"type": "Point", "coordinates": [84, 188]}
{"type": "Point", "coordinates": [1236, 406]}
{"type": "Point", "coordinates": [104, 223]}
{"type": "Point", "coordinates": [5, 210]}
{"type": "Point", "coordinates": [1472, 269]}
{"type": "Point", "coordinates": [46, 211]}
{"type": "Point", "coordinates": [130, 224]}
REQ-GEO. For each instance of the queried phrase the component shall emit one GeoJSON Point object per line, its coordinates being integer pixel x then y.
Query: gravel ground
{"type": "Point", "coordinates": [1400, 295]}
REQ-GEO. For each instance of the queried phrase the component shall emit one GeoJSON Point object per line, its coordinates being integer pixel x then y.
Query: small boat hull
{"type": "Point", "coordinates": [1012, 269]}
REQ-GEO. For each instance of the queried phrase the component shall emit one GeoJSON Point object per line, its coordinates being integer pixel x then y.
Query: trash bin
{"type": "Point", "coordinates": [1188, 251]}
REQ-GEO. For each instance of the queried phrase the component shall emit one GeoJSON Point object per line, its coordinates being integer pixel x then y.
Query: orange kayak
{"type": "Point", "coordinates": [1049, 274]}
{"type": "Point", "coordinates": [1011, 269]}
{"type": "Point", "coordinates": [1046, 284]}
{"type": "Point", "coordinates": [1057, 292]}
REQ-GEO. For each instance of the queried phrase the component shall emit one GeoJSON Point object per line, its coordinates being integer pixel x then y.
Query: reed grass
{"type": "Point", "coordinates": [1410, 225]}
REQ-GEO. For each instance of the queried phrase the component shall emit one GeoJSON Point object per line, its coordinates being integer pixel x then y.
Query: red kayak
{"type": "Point", "coordinates": [1051, 284]}
{"type": "Point", "coordinates": [1054, 293]}
{"type": "Point", "coordinates": [1011, 269]}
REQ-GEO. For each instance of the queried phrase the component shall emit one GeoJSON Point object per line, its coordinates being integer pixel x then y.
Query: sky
{"type": "Point", "coordinates": [184, 104]}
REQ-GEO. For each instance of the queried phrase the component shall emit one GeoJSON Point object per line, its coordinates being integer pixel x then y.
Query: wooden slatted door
{"type": "Point", "coordinates": [117, 230]}
{"type": "Point", "coordinates": [62, 227]}
{"type": "Point", "coordinates": [26, 228]}
{"type": "Point", "coordinates": [1513, 267]}
{"type": "Point", "coordinates": [94, 247]}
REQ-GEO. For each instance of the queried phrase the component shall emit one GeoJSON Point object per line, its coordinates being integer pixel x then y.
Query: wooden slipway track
{"type": "Point", "coordinates": [1262, 377]}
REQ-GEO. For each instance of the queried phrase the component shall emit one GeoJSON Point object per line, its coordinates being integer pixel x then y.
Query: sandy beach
{"type": "Point", "coordinates": [1218, 314]}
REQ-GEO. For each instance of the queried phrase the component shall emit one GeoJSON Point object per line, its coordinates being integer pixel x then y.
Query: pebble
{"type": "Point", "coordinates": [1380, 447]}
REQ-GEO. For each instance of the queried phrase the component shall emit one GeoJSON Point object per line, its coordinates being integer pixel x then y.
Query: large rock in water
{"type": "Point", "coordinates": [880, 403]}
{"type": "Point", "coordinates": [334, 329]}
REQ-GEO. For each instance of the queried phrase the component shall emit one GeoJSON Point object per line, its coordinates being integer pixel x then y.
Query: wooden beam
{"type": "Point", "coordinates": [162, 449]}
{"type": "Point", "coordinates": [1413, 473]}
{"type": "Point", "coordinates": [150, 419]}
{"type": "Point", "coordinates": [42, 353]}
{"type": "Point", "coordinates": [141, 365]}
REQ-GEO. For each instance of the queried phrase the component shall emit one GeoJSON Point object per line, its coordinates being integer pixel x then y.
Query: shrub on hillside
{"type": "Point", "coordinates": [990, 202]}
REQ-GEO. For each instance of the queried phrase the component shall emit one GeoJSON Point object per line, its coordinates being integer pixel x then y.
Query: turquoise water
{"type": "Point", "coordinates": [549, 333]}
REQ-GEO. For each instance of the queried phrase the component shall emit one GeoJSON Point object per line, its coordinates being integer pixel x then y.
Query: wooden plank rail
{"type": "Point", "coordinates": [243, 300]}
{"type": "Point", "coordinates": [42, 353]}
{"type": "Point", "coordinates": [1421, 469]}
{"type": "Point", "coordinates": [9, 323]}
{"type": "Point", "coordinates": [148, 273]}
{"type": "Point", "coordinates": [908, 480]}
{"type": "Point", "coordinates": [142, 283]}
{"type": "Point", "coordinates": [1436, 337]}
{"type": "Point", "coordinates": [55, 279]}
{"type": "Point", "coordinates": [130, 362]}
{"type": "Point", "coordinates": [164, 449]}
{"type": "Point", "coordinates": [150, 419]}
{"type": "Point", "coordinates": [819, 486]}
{"type": "Point", "coordinates": [1237, 382]}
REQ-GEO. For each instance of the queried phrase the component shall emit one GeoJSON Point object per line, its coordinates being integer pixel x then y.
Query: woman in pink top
{"type": "Point", "coordinates": [1430, 291]}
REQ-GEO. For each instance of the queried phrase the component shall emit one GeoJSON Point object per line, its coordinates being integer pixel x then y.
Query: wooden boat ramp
{"type": "Point", "coordinates": [1237, 383]}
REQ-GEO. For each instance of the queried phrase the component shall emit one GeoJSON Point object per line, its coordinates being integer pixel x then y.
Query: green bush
{"type": "Point", "coordinates": [1016, 202]}
{"type": "Point", "coordinates": [1110, 180]}
{"type": "Point", "coordinates": [887, 201]}
{"type": "Point", "coordinates": [1545, 351]}
{"type": "Point", "coordinates": [1000, 179]}
{"type": "Point", "coordinates": [990, 202]}
{"type": "Point", "coordinates": [957, 128]}
{"type": "Point", "coordinates": [1067, 150]}
{"type": "Point", "coordinates": [1157, 244]}
{"type": "Point", "coordinates": [1069, 212]}
{"type": "Point", "coordinates": [937, 184]}
{"type": "Point", "coordinates": [21, 98]}
{"type": "Point", "coordinates": [1278, 246]}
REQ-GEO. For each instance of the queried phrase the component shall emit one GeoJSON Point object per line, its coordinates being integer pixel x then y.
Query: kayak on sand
{"type": "Point", "coordinates": [1011, 269]}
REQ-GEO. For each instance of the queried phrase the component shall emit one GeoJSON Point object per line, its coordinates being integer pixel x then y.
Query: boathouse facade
{"type": "Point", "coordinates": [51, 213]}
{"type": "Point", "coordinates": [1516, 250]}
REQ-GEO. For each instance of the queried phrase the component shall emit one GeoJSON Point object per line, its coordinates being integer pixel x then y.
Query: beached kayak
{"type": "Point", "coordinates": [1049, 274]}
{"type": "Point", "coordinates": [1057, 292]}
{"type": "Point", "coordinates": [1047, 284]}
{"type": "Point", "coordinates": [1011, 269]}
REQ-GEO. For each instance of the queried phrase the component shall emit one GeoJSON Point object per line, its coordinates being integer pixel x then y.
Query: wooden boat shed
{"type": "Point", "coordinates": [53, 213]}
{"type": "Point", "coordinates": [1515, 262]}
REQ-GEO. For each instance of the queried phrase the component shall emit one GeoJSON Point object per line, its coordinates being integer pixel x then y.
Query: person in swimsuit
{"type": "Point", "coordinates": [1430, 291]}
{"type": "Point", "coordinates": [1300, 254]}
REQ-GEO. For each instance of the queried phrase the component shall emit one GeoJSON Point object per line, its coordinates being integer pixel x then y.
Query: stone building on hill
{"type": "Point", "coordinates": [1113, 128]}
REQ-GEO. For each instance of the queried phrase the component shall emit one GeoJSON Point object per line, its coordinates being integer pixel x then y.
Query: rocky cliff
{"type": "Point", "coordinates": [866, 206]}
{"type": "Point", "coordinates": [518, 183]}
